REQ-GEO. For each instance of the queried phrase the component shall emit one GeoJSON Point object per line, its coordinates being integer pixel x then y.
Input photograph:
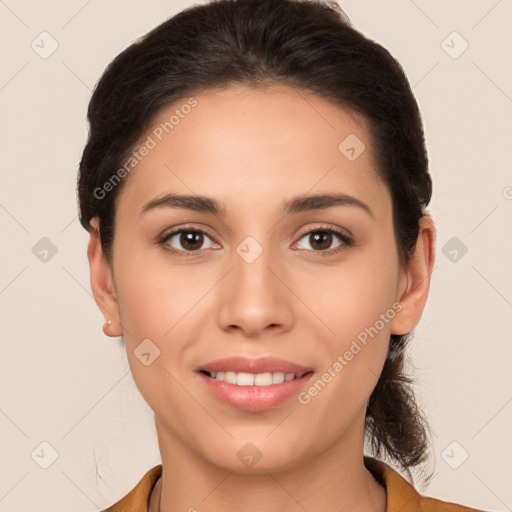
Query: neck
{"type": "Point", "coordinates": [335, 479]}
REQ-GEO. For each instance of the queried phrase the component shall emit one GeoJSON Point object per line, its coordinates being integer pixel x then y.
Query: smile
{"type": "Point", "coordinates": [252, 379]}
{"type": "Point", "coordinates": [254, 392]}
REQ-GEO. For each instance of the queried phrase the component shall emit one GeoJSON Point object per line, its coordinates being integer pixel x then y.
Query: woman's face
{"type": "Point", "coordinates": [258, 280]}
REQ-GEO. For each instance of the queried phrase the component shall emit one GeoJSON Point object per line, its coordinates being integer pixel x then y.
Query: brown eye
{"type": "Point", "coordinates": [191, 240]}
{"type": "Point", "coordinates": [185, 240]}
{"type": "Point", "coordinates": [320, 240]}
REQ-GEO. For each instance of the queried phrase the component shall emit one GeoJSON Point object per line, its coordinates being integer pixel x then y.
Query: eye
{"type": "Point", "coordinates": [322, 238]}
{"type": "Point", "coordinates": [191, 240]}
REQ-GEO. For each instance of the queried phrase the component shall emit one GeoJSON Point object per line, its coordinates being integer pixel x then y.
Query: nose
{"type": "Point", "coordinates": [255, 297]}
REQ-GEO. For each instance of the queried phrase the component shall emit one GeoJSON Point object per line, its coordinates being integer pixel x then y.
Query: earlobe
{"type": "Point", "coordinates": [417, 275]}
{"type": "Point", "coordinates": [102, 282]}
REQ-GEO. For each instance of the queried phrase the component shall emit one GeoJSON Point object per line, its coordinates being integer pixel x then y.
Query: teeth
{"type": "Point", "coordinates": [251, 379]}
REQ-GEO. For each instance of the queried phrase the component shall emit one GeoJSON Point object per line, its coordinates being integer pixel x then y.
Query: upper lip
{"type": "Point", "coordinates": [261, 365]}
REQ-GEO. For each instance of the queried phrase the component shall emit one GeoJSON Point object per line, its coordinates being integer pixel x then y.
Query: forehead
{"type": "Point", "coordinates": [245, 145]}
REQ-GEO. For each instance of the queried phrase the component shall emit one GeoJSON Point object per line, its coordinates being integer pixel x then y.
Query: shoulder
{"type": "Point", "coordinates": [403, 497]}
{"type": "Point", "coordinates": [137, 499]}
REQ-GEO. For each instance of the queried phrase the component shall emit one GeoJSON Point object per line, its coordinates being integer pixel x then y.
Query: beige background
{"type": "Point", "coordinates": [66, 385]}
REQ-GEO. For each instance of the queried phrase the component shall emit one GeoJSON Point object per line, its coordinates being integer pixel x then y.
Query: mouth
{"type": "Point", "coordinates": [253, 384]}
{"type": "Point", "coordinates": [251, 392]}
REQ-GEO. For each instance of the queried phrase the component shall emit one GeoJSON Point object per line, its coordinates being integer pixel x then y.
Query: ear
{"type": "Point", "coordinates": [102, 283]}
{"type": "Point", "coordinates": [413, 295]}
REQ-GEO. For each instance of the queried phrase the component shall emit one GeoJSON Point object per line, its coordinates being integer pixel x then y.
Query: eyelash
{"type": "Point", "coordinates": [347, 241]}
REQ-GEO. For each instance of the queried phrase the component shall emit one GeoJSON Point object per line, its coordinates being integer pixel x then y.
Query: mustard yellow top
{"type": "Point", "coordinates": [401, 495]}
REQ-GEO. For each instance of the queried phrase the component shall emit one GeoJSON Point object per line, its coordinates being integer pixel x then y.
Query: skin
{"type": "Point", "coordinates": [251, 150]}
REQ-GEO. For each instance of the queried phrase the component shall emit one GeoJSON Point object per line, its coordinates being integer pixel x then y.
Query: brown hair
{"type": "Point", "coordinates": [304, 44]}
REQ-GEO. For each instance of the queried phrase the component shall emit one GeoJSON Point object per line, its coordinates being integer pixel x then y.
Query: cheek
{"type": "Point", "coordinates": [159, 303]}
{"type": "Point", "coordinates": [352, 297]}
{"type": "Point", "coordinates": [355, 304]}
{"type": "Point", "coordinates": [155, 294]}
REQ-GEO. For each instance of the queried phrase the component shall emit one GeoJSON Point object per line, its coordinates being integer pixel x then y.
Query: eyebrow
{"type": "Point", "coordinates": [295, 205]}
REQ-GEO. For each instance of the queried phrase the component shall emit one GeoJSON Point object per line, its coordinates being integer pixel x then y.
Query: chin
{"type": "Point", "coordinates": [258, 456]}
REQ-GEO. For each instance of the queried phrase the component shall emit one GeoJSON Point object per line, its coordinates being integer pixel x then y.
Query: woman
{"type": "Point", "coordinates": [255, 186]}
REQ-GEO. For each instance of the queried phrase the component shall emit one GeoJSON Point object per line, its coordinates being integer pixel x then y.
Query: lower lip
{"type": "Point", "coordinates": [254, 398]}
